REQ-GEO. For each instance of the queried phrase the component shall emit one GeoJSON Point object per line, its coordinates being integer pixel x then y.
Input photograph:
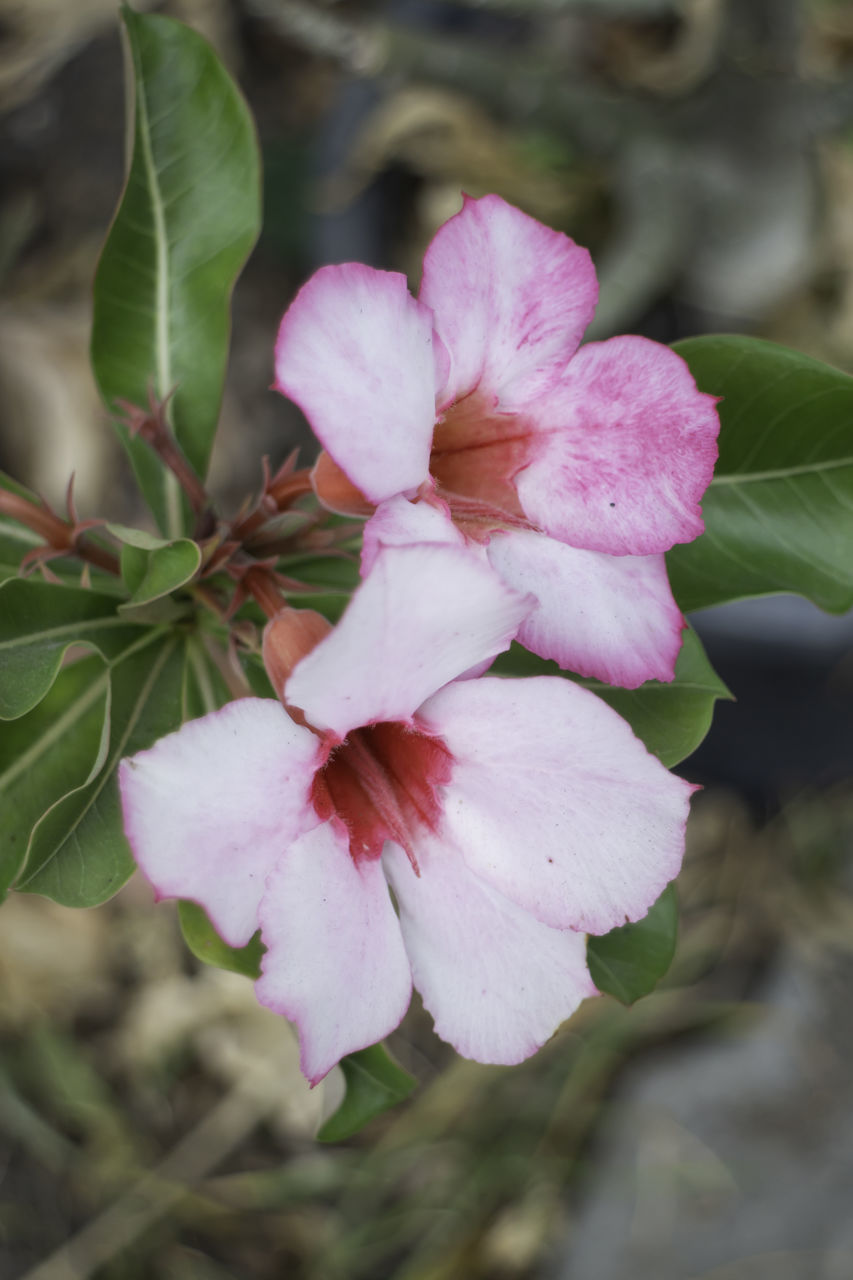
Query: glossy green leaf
{"type": "Point", "coordinates": [374, 1082]}
{"type": "Point", "coordinates": [78, 853]}
{"type": "Point", "coordinates": [671, 719]}
{"type": "Point", "coordinates": [38, 623]}
{"type": "Point", "coordinates": [188, 217]}
{"type": "Point", "coordinates": [779, 511]}
{"type": "Point", "coordinates": [205, 943]}
{"type": "Point", "coordinates": [49, 752]}
{"type": "Point", "coordinates": [630, 961]}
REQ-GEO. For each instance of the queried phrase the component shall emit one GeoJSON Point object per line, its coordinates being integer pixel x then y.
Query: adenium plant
{"type": "Point", "coordinates": [326, 722]}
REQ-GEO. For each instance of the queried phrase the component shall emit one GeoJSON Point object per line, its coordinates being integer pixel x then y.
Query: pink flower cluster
{"type": "Point", "coordinates": [517, 487]}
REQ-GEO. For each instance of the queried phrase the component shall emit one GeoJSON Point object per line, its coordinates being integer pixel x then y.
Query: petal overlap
{"type": "Point", "coordinates": [423, 615]}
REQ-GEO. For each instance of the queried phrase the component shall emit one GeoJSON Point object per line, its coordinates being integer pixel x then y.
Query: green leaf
{"type": "Point", "coordinates": [630, 961]}
{"type": "Point", "coordinates": [671, 719]}
{"type": "Point", "coordinates": [49, 752]}
{"type": "Point", "coordinates": [205, 943]}
{"type": "Point", "coordinates": [78, 853]}
{"type": "Point", "coordinates": [188, 217]}
{"type": "Point", "coordinates": [374, 1082]}
{"type": "Point", "coordinates": [337, 573]}
{"type": "Point", "coordinates": [779, 511]}
{"type": "Point", "coordinates": [204, 689]}
{"type": "Point", "coordinates": [38, 623]}
{"type": "Point", "coordinates": [153, 567]}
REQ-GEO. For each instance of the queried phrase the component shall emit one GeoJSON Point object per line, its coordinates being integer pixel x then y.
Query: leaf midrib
{"type": "Point", "coordinates": [72, 629]}
{"type": "Point", "coordinates": [781, 473]}
{"type": "Point", "coordinates": [107, 772]}
{"type": "Point", "coordinates": [162, 294]}
{"type": "Point", "coordinates": [52, 734]}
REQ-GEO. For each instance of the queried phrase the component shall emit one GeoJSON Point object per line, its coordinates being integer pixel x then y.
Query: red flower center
{"type": "Point", "coordinates": [382, 783]}
{"type": "Point", "coordinates": [476, 454]}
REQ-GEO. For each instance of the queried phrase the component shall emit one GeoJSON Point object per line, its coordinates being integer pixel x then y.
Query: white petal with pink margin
{"type": "Point", "coordinates": [335, 963]}
{"type": "Point", "coordinates": [497, 982]}
{"type": "Point", "coordinates": [423, 615]}
{"type": "Point", "coordinates": [355, 352]}
{"type": "Point", "coordinates": [209, 809]}
{"type": "Point", "coordinates": [555, 802]}
{"type": "Point", "coordinates": [611, 618]}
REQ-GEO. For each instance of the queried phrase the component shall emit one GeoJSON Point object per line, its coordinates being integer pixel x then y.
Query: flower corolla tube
{"type": "Point", "coordinates": [509, 818]}
{"type": "Point", "coordinates": [574, 467]}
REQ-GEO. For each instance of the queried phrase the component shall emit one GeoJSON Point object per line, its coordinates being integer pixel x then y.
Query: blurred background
{"type": "Point", "coordinates": [153, 1122]}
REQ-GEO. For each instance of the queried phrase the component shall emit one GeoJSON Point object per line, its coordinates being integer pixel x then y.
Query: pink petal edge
{"type": "Point", "coordinates": [496, 981]}
{"type": "Point", "coordinates": [626, 447]}
{"type": "Point", "coordinates": [209, 809]}
{"type": "Point", "coordinates": [554, 801]}
{"type": "Point", "coordinates": [355, 352]}
{"type": "Point", "coordinates": [511, 300]}
{"type": "Point", "coordinates": [335, 963]}
{"type": "Point", "coordinates": [424, 614]}
{"type": "Point", "coordinates": [610, 618]}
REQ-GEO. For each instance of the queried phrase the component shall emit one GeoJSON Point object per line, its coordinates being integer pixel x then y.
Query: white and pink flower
{"type": "Point", "coordinates": [509, 817]}
{"type": "Point", "coordinates": [575, 467]}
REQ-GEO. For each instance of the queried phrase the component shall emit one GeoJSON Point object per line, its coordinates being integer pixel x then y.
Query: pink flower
{"type": "Point", "coordinates": [576, 467]}
{"type": "Point", "coordinates": [508, 817]}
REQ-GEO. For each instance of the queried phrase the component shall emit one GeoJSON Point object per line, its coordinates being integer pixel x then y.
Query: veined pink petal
{"type": "Point", "coordinates": [511, 300]}
{"type": "Point", "coordinates": [209, 809]}
{"type": "Point", "coordinates": [496, 981]}
{"type": "Point", "coordinates": [626, 449]}
{"type": "Point", "coordinates": [555, 802]}
{"type": "Point", "coordinates": [612, 618]}
{"type": "Point", "coordinates": [400, 523]}
{"type": "Point", "coordinates": [335, 963]}
{"type": "Point", "coordinates": [423, 615]}
{"type": "Point", "coordinates": [355, 352]}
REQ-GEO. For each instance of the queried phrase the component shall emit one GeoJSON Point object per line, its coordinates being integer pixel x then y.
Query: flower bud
{"type": "Point", "coordinates": [288, 637]}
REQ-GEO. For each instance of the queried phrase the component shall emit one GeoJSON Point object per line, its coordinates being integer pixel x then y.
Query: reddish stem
{"type": "Point", "coordinates": [276, 498]}
{"type": "Point", "coordinates": [58, 534]}
{"type": "Point", "coordinates": [263, 586]}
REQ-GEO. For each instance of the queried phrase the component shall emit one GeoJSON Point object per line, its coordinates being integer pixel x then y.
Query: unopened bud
{"type": "Point", "coordinates": [288, 637]}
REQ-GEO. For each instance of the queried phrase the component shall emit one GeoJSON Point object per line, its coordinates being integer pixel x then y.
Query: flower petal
{"type": "Point", "coordinates": [511, 299]}
{"type": "Point", "coordinates": [400, 523]}
{"type": "Point", "coordinates": [355, 352]}
{"type": "Point", "coordinates": [626, 449]}
{"type": "Point", "coordinates": [612, 618]}
{"type": "Point", "coordinates": [423, 615]}
{"type": "Point", "coordinates": [555, 802]}
{"type": "Point", "coordinates": [335, 962]}
{"type": "Point", "coordinates": [496, 981]}
{"type": "Point", "coordinates": [209, 809]}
